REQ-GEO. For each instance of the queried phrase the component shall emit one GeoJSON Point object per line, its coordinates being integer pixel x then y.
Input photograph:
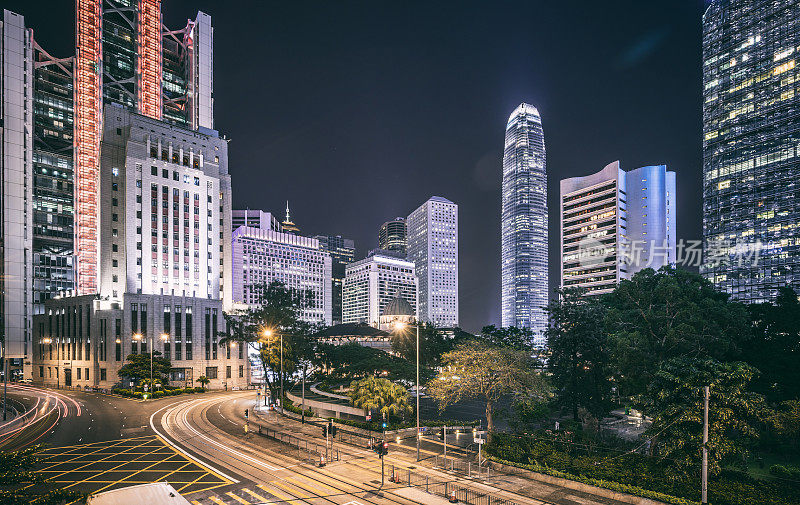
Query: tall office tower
{"type": "Point", "coordinates": [179, 210]}
{"type": "Point", "coordinates": [373, 282]}
{"type": "Point", "coordinates": [392, 236]}
{"type": "Point", "coordinates": [263, 256]}
{"type": "Point", "coordinates": [16, 274]}
{"type": "Point", "coordinates": [751, 160]}
{"type": "Point", "coordinates": [53, 233]}
{"type": "Point", "coordinates": [524, 223]}
{"type": "Point", "coordinates": [614, 224]}
{"type": "Point", "coordinates": [343, 252]}
{"type": "Point", "coordinates": [121, 58]}
{"type": "Point", "coordinates": [164, 263]}
{"type": "Point", "coordinates": [255, 219]}
{"type": "Point", "coordinates": [433, 248]}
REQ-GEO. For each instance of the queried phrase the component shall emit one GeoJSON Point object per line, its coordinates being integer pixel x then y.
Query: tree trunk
{"type": "Point", "coordinates": [489, 420]}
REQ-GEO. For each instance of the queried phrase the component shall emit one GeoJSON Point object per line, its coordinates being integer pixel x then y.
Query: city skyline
{"type": "Point", "coordinates": [647, 115]}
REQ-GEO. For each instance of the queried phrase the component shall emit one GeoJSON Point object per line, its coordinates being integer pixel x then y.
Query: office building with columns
{"type": "Point", "coordinates": [371, 283]}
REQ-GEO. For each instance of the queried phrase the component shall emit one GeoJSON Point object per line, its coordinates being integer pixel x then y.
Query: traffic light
{"type": "Point", "coordinates": [384, 448]}
{"type": "Point", "coordinates": [441, 434]}
{"type": "Point", "coordinates": [325, 430]}
{"type": "Point", "coordinates": [334, 429]}
{"type": "Point", "coordinates": [247, 413]}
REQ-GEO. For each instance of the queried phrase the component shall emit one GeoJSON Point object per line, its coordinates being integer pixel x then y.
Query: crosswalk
{"type": "Point", "coordinates": [297, 490]}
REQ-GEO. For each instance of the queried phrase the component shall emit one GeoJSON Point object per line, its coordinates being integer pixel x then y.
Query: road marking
{"type": "Point", "coordinates": [312, 482]}
{"type": "Point", "coordinates": [299, 494]}
{"type": "Point", "coordinates": [240, 500]}
{"type": "Point", "coordinates": [195, 502]}
{"type": "Point", "coordinates": [177, 448]}
{"type": "Point", "coordinates": [216, 500]}
{"type": "Point", "coordinates": [256, 495]}
{"type": "Point", "coordinates": [282, 496]}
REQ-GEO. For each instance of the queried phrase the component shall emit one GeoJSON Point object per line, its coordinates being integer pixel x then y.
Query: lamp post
{"type": "Point", "coordinates": [402, 326]}
{"type": "Point", "coordinates": [269, 333]}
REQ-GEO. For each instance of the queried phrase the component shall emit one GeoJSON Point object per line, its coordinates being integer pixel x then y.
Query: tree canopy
{"type": "Point", "coordinates": [352, 360]}
{"type": "Point", "coordinates": [380, 396]}
{"type": "Point", "coordinates": [137, 367]}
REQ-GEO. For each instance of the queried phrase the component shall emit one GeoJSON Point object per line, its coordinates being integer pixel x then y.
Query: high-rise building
{"type": "Point", "coordinates": [751, 158]}
{"type": "Point", "coordinates": [255, 219]}
{"type": "Point", "coordinates": [433, 248]}
{"type": "Point", "coordinates": [392, 236]}
{"type": "Point", "coordinates": [343, 252]}
{"type": "Point", "coordinates": [614, 224]}
{"type": "Point", "coordinates": [264, 256]}
{"type": "Point", "coordinates": [53, 233]}
{"type": "Point", "coordinates": [524, 223]}
{"type": "Point", "coordinates": [16, 205]}
{"type": "Point", "coordinates": [371, 283]}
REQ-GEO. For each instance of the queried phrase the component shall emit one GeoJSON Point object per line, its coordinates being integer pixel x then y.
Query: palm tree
{"type": "Point", "coordinates": [380, 396]}
{"type": "Point", "coordinates": [203, 380]}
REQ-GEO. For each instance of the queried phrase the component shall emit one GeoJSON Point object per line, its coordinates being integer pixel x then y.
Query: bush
{"type": "Point", "coordinates": [137, 395]}
{"type": "Point", "coordinates": [189, 390]}
{"type": "Point", "coordinates": [199, 390]}
{"type": "Point", "coordinates": [785, 472]}
{"type": "Point", "coordinates": [158, 394]}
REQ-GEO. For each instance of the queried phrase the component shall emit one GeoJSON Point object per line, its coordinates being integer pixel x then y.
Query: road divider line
{"type": "Point", "coordinates": [238, 498]}
{"type": "Point", "coordinates": [179, 449]}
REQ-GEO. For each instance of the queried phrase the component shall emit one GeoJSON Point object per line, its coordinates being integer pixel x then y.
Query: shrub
{"type": "Point", "coordinates": [158, 394]}
{"type": "Point", "coordinates": [199, 390]}
{"type": "Point", "coordinates": [188, 390]}
{"type": "Point", "coordinates": [137, 395]}
{"type": "Point", "coordinates": [785, 472]}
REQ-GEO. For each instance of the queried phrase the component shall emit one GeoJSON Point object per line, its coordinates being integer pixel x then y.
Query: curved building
{"type": "Point", "coordinates": [524, 223]}
{"type": "Point", "coordinates": [392, 236]}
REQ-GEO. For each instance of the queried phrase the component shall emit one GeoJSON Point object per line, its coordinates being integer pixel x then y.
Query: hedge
{"type": "Point", "coordinates": [156, 394]}
{"type": "Point", "coordinates": [631, 472]}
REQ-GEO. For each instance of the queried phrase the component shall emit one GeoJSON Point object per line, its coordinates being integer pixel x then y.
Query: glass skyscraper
{"type": "Point", "coordinates": [524, 223]}
{"type": "Point", "coordinates": [751, 147]}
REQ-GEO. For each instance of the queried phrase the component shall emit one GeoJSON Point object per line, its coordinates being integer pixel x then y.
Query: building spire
{"type": "Point", "coordinates": [287, 225]}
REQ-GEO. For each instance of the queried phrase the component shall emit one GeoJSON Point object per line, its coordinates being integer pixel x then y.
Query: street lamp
{"type": "Point", "coordinates": [401, 326]}
{"type": "Point", "coordinates": [269, 333]}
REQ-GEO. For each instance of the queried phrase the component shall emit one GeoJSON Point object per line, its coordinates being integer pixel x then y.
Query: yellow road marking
{"type": "Point", "coordinates": [256, 495]}
{"type": "Point", "coordinates": [299, 494]}
{"type": "Point", "coordinates": [278, 494]}
{"type": "Point", "coordinates": [195, 502]}
{"type": "Point", "coordinates": [207, 469]}
{"type": "Point", "coordinates": [93, 452]}
{"type": "Point", "coordinates": [237, 498]}
{"type": "Point", "coordinates": [106, 458]}
{"type": "Point", "coordinates": [216, 500]}
{"type": "Point", "coordinates": [87, 444]}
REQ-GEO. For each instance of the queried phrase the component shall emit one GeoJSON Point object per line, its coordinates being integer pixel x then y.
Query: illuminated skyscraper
{"type": "Point", "coordinates": [392, 236]}
{"type": "Point", "coordinates": [343, 252]}
{"type": "Point", "coordinates": [524, 223]}
{"type": "Point", "coordinates": [751, 153]}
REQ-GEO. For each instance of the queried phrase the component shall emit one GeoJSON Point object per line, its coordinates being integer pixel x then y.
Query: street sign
{"type": "Point", "coordinates": [479, 441]}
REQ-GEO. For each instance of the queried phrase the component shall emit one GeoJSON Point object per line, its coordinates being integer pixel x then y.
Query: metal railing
{"type": "Point", "coordinates": [466, 467]}
{"type": "Point", "coordinates": [306, 451]}
{"type": "Point", "coordinates": [446, 489]}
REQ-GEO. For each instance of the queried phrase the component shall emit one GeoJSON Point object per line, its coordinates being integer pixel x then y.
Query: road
{"type": "Point", "coordinates": [198, 444]}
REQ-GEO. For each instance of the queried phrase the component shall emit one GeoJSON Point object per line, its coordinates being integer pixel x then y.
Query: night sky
{"type": "Point", "coordinates": [359, 112]}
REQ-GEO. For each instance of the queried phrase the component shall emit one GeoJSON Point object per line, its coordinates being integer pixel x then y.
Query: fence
{"type": "Point", "coordinates": [446, 489]}
{"type": "Point", "coordinates": [468, 468]}
{"type": "Point", "coordinates": [313, 451]}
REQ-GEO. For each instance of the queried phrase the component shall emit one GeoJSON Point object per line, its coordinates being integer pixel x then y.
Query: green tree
{"type": "Point", "coordinates": [20, 485]}
{"type": "Point", "coordinates": [520, 339]}
{"type": "Point", "coordinates": [579, 361]}
{"type": "Point", "coordinates": [137, 367]}
{"type": "Point", "coordinates": [380, 396]}
{"type": "Point", "coordinates": [775, 346]}
{"type": "Point", "coordinates": [658, 316]}
{"type": "Point", "coordinates": [276, 318]}
{"type": "Point", "coordinates": [203, 381]}
{"type": "Point", "coordinates": [432, 343]}
{"type": "Point", "coordinates": [477, 370]}
{"type": "Point", "coordinates": [675, 396]}
{"type": "Point", "coordinates": [352, 360]}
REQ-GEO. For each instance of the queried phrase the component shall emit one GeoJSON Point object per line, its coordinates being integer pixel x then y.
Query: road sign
{"type": "Point", "coordinates": [479, 441]}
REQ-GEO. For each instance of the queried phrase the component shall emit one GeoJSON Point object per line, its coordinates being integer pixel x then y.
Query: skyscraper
{"type": "Point", "coordinates": [373, 282]}
{"type": "Point", "coordinates": [255, 219]}
{"type": "Point", "coordinates": [614, 224]}
{"type": "Point", "coordinates": [343, 252]}
{"type": "Point", "coordinates": [751, 158]}
{"type": "Point", "coordinates": [524, 223]}
{"type": "Point", "coordinates": [392, 236]}
{"type": "Point", "coordinates": [433, 248]}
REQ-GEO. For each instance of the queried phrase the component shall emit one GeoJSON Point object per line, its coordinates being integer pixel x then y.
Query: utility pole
{"type": "Point", "coordinates": [281, 372]}
{"type": "Point", "coordinates": [418, 432]}
{"type": "Point", "coordinates": [303, 402]}
{"type": "Point", "coordinates": [444, 440]}
{"type": "Point", "coordinates": [704, 485]}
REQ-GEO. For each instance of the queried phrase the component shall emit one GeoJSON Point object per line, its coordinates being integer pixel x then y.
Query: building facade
{"type": "Point", "coordinates": [371, 283]}
{"type": "Point", "coordinates": [263, 256]}
{"type": "Point", "coordinates": [343, 252]}
{"type": "Point", "coordinates": [392, 236]}
{"type": "Point", "coordinates": [433, 248]}
{"type": "Point", "coordinates": [751, 158]}
{"type": "Point", "coordinates": [255, 219]}
{"type": "Point", "coordinates": [524, 259]}
{"type": "Point", "coordinates": [614, 224]}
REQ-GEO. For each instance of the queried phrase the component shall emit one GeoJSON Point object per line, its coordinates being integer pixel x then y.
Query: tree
{"type": "Point", "coordinates": [658, 316]}
{"type": "Point", "coordinates": [676, 398]}
{"type": "Point", "coordinates": [520, 339]}
{"type": "Point", "coordinates": [380, 396]}
{"type": "Point", "coordinates": [477, 370]}
{"type": "Point", "coordinates": [579, 355]}
{"type": "Point", "coordinates": [432, 344]}
{"type": "Point", "coordinates": [276, 313]}
{"type": "Point", "coordinates": [352, 360]}
{"type": "Point", "coordinates": [775, 346]}
{"type": "Point", "coordinates": [19, 484]}
{"type": "Point", "coordinates": [203, 380]}
{"type": "Point", "coordinates": [137, 367]}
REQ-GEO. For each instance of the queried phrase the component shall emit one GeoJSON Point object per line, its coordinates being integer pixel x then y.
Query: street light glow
{"type": "Point", "coordinates": [137, 336]}
{"type": "Point", "coordinates": [267, 333]}
{"type": "Point", "coordinates": [400, 325]}
{"type": "Point", "coordinates": [164, 337]}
